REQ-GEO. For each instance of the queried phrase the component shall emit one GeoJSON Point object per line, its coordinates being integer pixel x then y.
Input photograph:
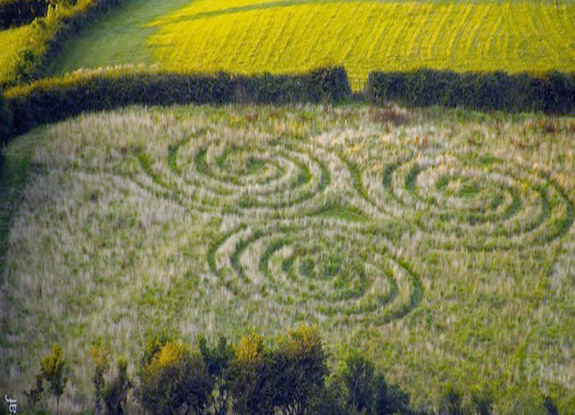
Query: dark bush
{"type": "Point", "coordinates": [176, 379]}
{"type": "Point", "coordinates": [55, 99]}
{"type": "Point", "coordinates": [329, 401]}
{"type": "Point", "coordinates": [559, 93]}
{"type": "Point", "coordinates": [5, 120]}
{"type": "Point", "coordinates": [101, 361]}
{"type": "Point", "coordinates": [20, 12]}
{"type": "Point", "coordinates": [324, 84]}
{"type": "Point", "coordinates": [250, 378]}
{"type": "Point", "coordinates": [299, 369]}
{"type": "Point", "coordinates": [549, 406]}
{"type": "Point", "coordinates": [218, 359]}
{"type": "Point", "coordinates": [358, 376]}
{"type": "Point", "coordinates": [553, 93]}
{"type": "Point", "coordinates": [482, 401]}
{"type": "Point", "coordinates": [390, 400]}
{"type": "Point", "coordinates": [116, 393]}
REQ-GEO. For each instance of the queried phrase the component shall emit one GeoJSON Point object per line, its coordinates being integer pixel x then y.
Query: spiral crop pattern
{"type": "Point", "coordinates": [279, 246]}
{"type": "Point", "coordinates": [498, 203]}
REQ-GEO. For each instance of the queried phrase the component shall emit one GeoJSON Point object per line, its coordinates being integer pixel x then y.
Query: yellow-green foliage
{"type": "Point", "coordinates": [299, 370]}
{"type": "Point", "coordinates": [250, 382]}
{"type": "Point", "coordinates": [25, 50]}
{"type": "Point", "coordinates": [250, 349]}
{"type": "Point", "coordinates": [171, 354]}
{"type": "Point", "coordinates": [55, 372]}
{"type": "Point", "coordinates": [251, 36]}
{"type": "Point", "coordinates": [176, 377]}
{"type": "Point", "coordinates": [12, 42]}
{"type": "Point", "coordinates": [101, 359]}
{"type": "Point", "coordinates": [303, 340]}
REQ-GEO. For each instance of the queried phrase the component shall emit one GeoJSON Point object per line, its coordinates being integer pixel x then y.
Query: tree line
{"type": "Point", "coordinates": [288, 377]}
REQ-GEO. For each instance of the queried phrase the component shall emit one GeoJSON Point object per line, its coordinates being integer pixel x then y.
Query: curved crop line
{"type": "Point", "coordinates": [570, 215]}
{"type": "Point", "coordinates": [554, 43]}
{"type": "Point", "coordinates": [274, 239]}
{"type": "Point", "coordinates": [457, 30]}
{"type": "Point", "coordinates": [373, 54]}
{"type": "Point", "coordinates": [535, 228]}
{"type": "Point", "coordinates": [434, 46]}
{"type": "Point", "coordinates": [420, 34]}
{"type": "Point", "coordinates": [557, 25]}
{"type": "Point", "coordinates": [464, 44]}
{"type": "Point", "coordinates": [494, 36]}
{"type": "Point", "coordinates": [213, 249]}
{"type": "Point", "coordinates": [304, 183]}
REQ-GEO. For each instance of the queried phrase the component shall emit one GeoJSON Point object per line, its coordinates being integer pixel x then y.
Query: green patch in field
{"type": "Point", "coordinates": [125, 30]}
{"type": "Point", "coordinates": [343, 212]}
{"type": "Point", "coordinates": [13, 174]}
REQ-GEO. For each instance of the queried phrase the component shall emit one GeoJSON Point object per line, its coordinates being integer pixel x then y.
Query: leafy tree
{"type": "Point", "coordinates": [175, 379]}
{"type": "Point", "coordinates": [218, 359]}
{"type": "Point", "coordinates": [54, 370]}
{"type": "Point", "coordinates": [358, 376]}
{"type": "Point", "coordinates": [298, 370]}
{"type": "Point", "coordinates": [250, 382]}
{"type": "Point", "coordinates": [329, 400]}
{"type": "Point", "coordinates": [101, 361]}
{"type": "Point", "coordinates": [116, 394]}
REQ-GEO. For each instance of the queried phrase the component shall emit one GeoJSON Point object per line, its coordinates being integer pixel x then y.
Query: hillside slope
{"type": "Point", "coordinates": [439, 242]}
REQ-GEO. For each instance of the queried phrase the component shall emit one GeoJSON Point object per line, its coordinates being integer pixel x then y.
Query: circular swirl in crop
{"type": "Point", "coordinates": [316, 272]}
{"type": "Point", "coordinates": [482, 200]}
{"type": "Point", "coordinates": [210, 173]}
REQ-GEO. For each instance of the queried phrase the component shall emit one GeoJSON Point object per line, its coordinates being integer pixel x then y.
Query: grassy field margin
{"type": "Point", "coordinates": [47, 36]}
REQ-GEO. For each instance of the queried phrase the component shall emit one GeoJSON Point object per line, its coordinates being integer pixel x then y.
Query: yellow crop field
{"type": "Point", "coordinates": [12, 41]}
{"type": "Point", "coordinates": [293, 36]}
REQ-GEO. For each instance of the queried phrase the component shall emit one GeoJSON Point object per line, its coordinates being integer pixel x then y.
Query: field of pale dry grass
{"type": "Point", "coordinates": [441, 242]}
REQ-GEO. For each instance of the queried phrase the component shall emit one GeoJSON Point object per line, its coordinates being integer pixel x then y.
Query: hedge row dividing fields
{"type": "Point", "coordinates": [55, 99]}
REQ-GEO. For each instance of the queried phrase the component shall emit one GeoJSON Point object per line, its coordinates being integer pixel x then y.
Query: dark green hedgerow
{"type": "Point", "coordinates": [5, 118]}
{"type": "Point", "coordinates": [553, 92]}
{"type": "Point", "coordinates": [19, 12]}
{"type": "Point", "coordinates": [55, 99]}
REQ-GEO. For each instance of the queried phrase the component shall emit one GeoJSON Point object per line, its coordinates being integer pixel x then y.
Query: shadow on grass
{"type": "Point", "coordinates": [14, 168]}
